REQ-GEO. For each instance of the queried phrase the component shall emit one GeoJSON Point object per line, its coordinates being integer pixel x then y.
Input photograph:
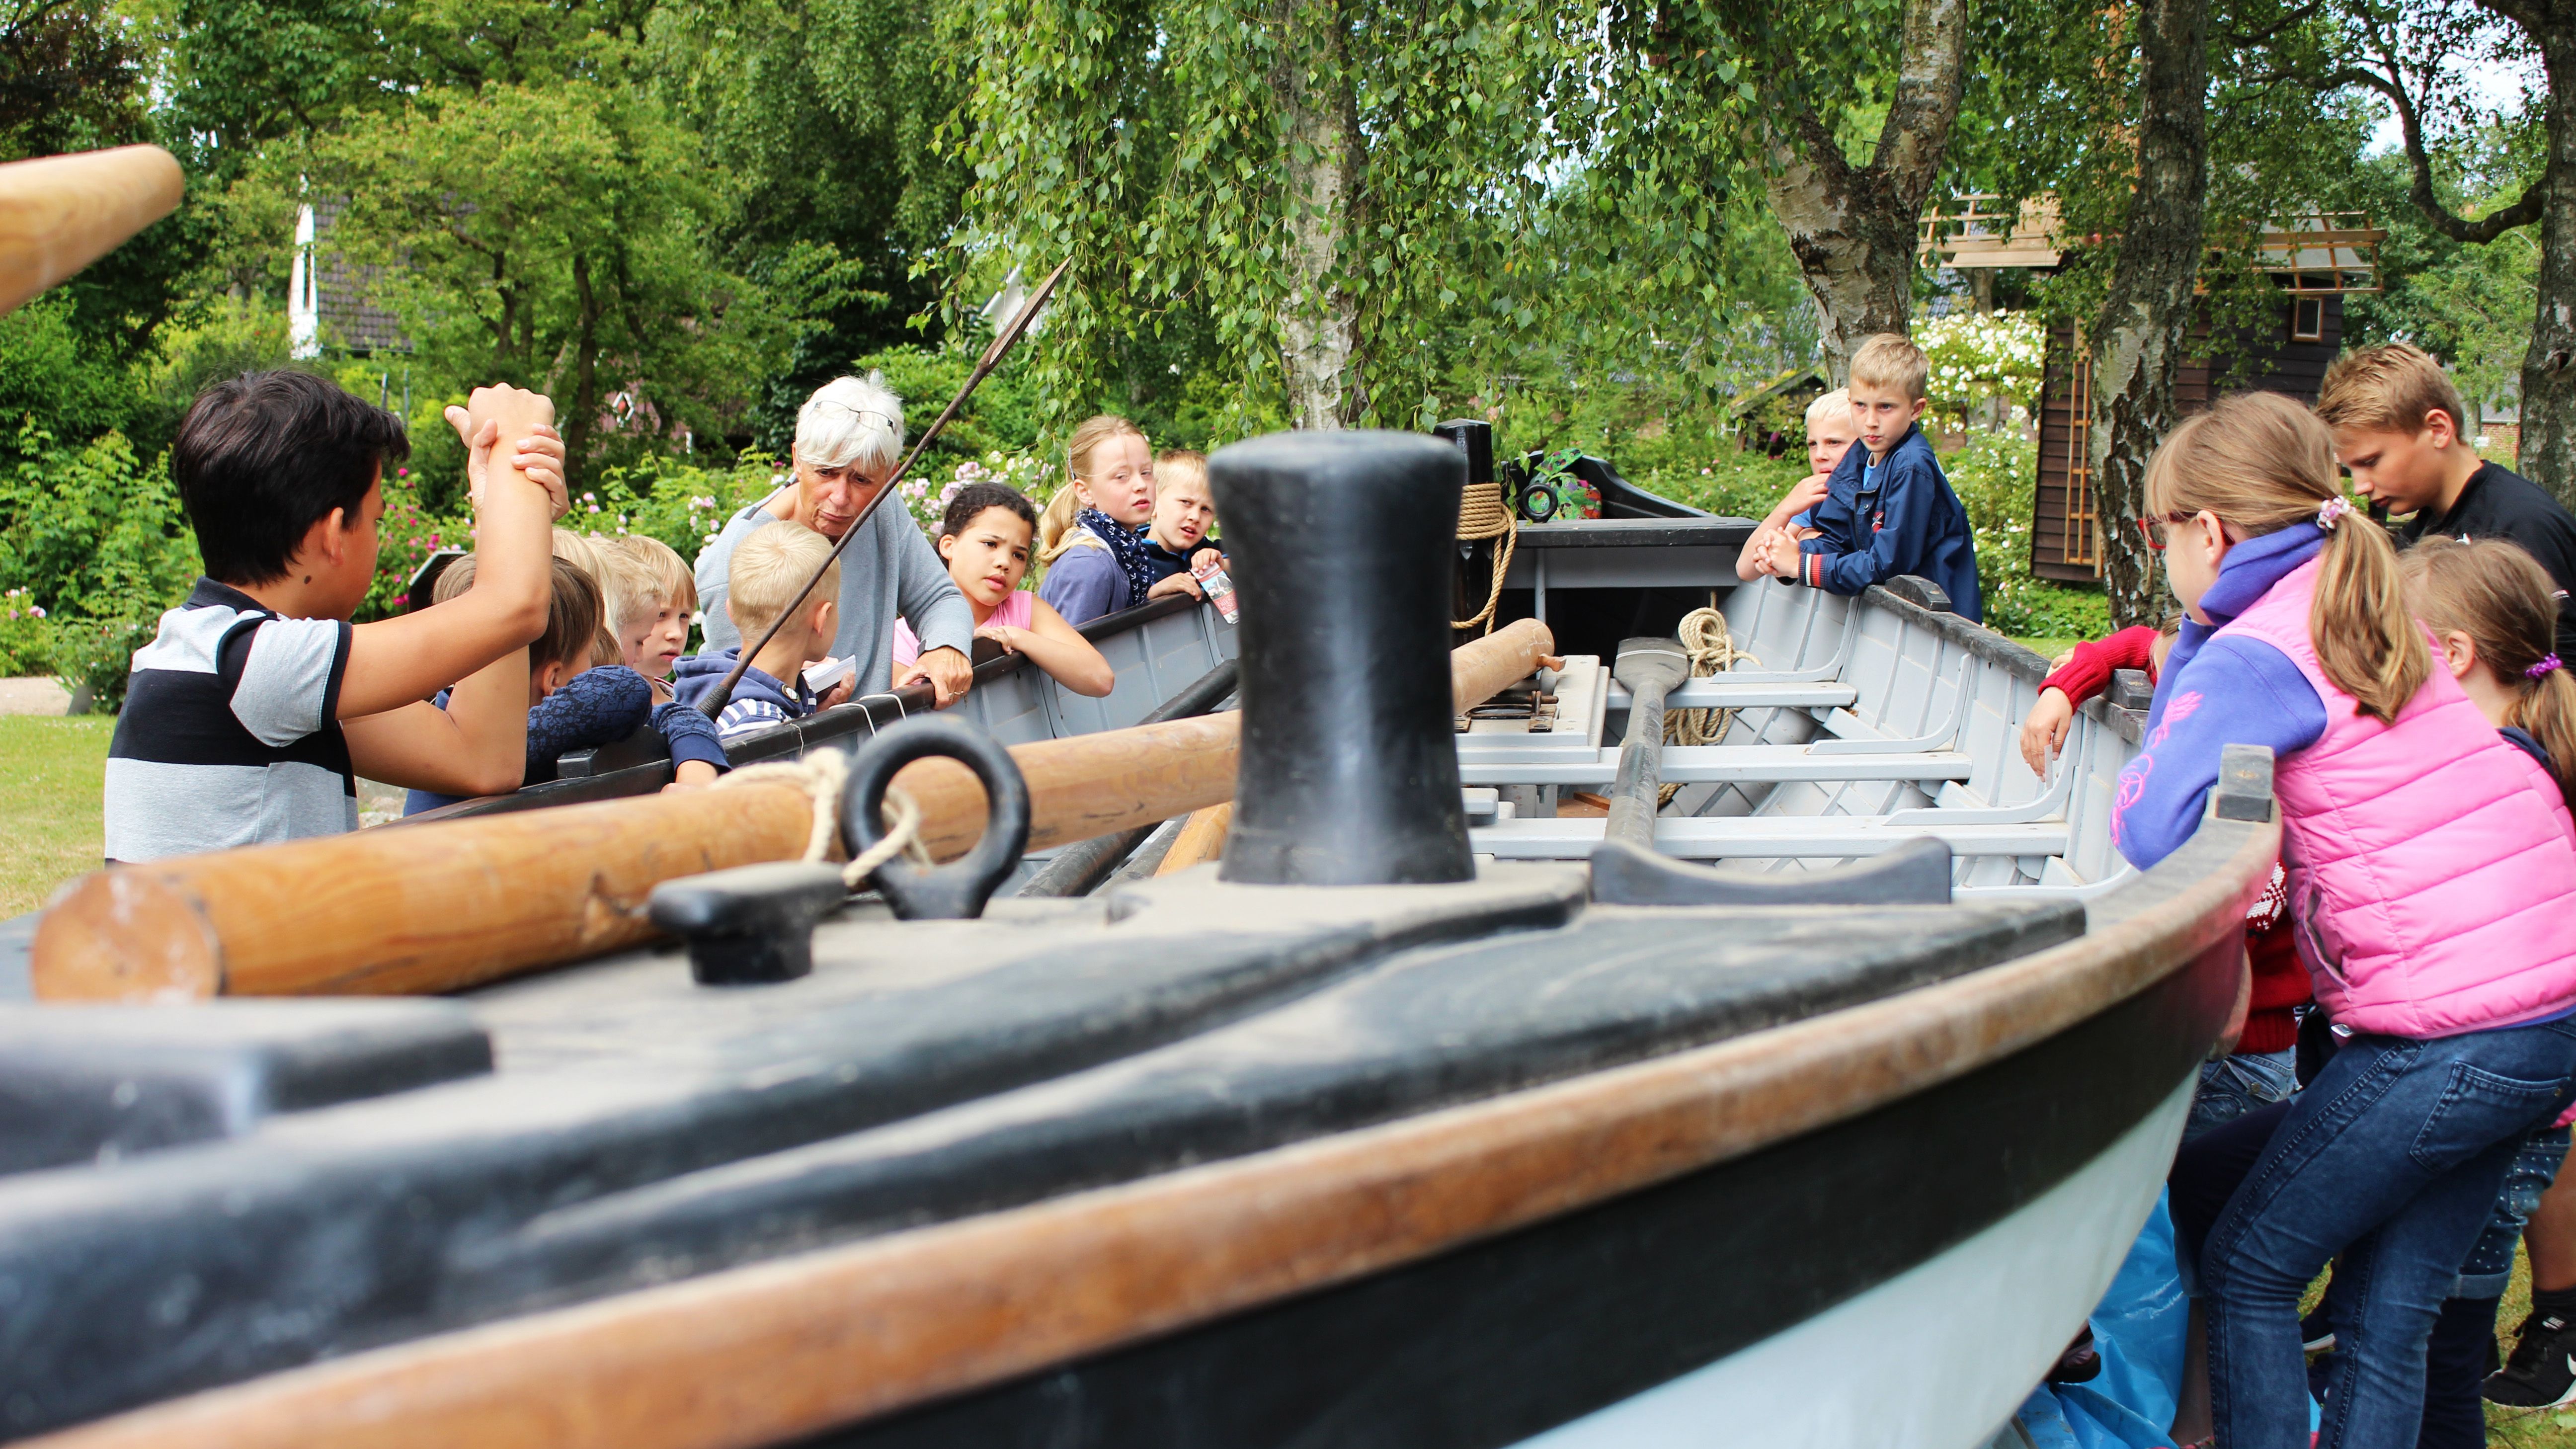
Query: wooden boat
{"type": "Point", "coordinates": [1359, 1139]}
{"type": "Point", "coordinates": [1389, 1129]}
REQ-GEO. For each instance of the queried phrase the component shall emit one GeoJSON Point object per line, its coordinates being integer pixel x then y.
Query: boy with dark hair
{"type": "Point", "coordinates": [2402, 432]}
{"type": "Point", "coordinates": [253, 709]}
{"type": "Point", "coordinates": [1888, 508]}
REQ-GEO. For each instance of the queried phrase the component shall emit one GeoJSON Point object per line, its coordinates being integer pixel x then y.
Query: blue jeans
{"type": "Point", "coordinates": [2393, 1157]}
{"type": "Point", "coordinates": [2233, 1086]}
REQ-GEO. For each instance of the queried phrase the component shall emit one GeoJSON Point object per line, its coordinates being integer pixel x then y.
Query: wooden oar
{"type": "Point", "coordinates": [58, 214]}
{"type": "Point", "coordinates": [447, 906]}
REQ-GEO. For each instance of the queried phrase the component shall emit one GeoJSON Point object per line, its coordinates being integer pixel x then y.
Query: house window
{"type": "Point", "coordinates": [2307, 319]}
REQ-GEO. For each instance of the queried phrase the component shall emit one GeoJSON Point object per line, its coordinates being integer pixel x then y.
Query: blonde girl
{"type": "Point", "coordinates": [2494, 616]}
{"type": "Point", "coordinates": [2429, 864]}
{"type": "Point", "coordinates": [1092, 536]}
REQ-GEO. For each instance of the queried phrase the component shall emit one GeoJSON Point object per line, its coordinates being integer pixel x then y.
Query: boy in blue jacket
{"type": "Point", "coordinates": [1888, 509]}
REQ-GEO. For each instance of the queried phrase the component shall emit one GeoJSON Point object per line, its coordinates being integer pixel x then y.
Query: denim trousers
{"type": "Point", "coordinates": [2235, 1085]}
{"type": "Point", "coordinates": [2393, 1157]}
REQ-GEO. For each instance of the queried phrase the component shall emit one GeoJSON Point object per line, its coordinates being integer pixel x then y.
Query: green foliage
{"type": "Point", "coordinates": [1730, 482]}
{"type": "Point", "coordinates": [92, 549]}
{"type": "Point", "coordinates": [26, 636]}
{"type": "Point", "coordinates": [92, 532]}
{"type": "Point", "coordinates": [1002, 416]}
{"type": "Point", "coordinates": [551, 236]}
{"type": "Point", "coordinates": [680, 503]}
{"type": "Point", "coordinates": [56, 382]}
{"type": "Point", "coordinates": [98, 655]}
{"type": "Point", "coordinates": [2469, 305]}
{"type": "Point", "coordinates": [1994, 476]}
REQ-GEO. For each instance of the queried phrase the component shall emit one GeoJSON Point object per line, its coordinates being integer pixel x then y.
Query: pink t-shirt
{"type": "Point", "coordinates": [1016, 611]}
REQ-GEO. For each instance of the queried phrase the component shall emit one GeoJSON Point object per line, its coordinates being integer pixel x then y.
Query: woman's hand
{"type": "Point", "coordinates": [1002, 634]}
{"type": "Point", "coordinates": [1177, 584]}
{"type": "Point", "coordinates": [2044, 733]}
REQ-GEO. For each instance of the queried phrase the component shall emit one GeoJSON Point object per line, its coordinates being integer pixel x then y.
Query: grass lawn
{"type": "Point", "coordinates": [49, 811]}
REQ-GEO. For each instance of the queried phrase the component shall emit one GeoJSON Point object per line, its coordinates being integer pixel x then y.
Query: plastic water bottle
{"type": "Point", "coordinates": [1218, 587]}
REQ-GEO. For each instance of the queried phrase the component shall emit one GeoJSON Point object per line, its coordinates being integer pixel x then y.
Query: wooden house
{"type": "Point", "coordinates": [2314, 261]}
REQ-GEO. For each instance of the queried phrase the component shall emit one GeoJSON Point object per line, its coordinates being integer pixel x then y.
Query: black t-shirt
{"type": "Point", "coordinates": [2500, 503]}
{"type": "Point", "coordinates": [1166, 563]}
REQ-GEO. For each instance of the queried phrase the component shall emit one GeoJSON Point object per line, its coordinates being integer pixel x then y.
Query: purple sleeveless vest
{"type": "Point", "coordinates": [2432, 865]}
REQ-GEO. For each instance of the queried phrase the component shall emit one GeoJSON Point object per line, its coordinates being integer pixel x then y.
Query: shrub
{"type": "Point", "coordinates": [90, 532]}
{"type": "Point", "coordinates": [98, 654]}
{"type": "Point", "coordinates": [1995, 476]}
{"type": "Point", "coordinates": [26, 636]}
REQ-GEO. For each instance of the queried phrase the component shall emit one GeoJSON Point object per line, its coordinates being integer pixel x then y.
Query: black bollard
{"type": "Point", "coordinates": [1341, 545]}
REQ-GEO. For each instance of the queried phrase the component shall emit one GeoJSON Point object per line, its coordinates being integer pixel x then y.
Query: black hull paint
{"type": "Point", "coordinates": [1490, 1344]}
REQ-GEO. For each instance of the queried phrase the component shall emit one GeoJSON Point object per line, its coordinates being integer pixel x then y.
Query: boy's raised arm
{"type": "Point", "coordinates": [400, 661]}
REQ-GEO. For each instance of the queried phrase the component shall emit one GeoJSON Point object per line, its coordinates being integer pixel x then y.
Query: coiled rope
{"type": "Point", "coordinates": [1712, 650]}
{"type": "Point", "coordinates": [823, 775]}
{"type": "Point", "coordinates": [1482, 514]}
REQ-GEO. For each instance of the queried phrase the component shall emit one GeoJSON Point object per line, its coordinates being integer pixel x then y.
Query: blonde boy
{"type": "Point", "coordinates": [767, 572]}
{"type": "Point", "coordinates": [2401, 429]}
{"type": "Point", "coordinates": [1176, 532]}
{"type": "Point", "coordinates": [1829, 435]}
{"type": "Point", "coordinates": [1888, 508]}
{"type": "Point", "coordinates": [651, 601]}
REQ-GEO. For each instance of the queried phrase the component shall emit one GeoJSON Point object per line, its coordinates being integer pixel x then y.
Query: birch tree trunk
{"type": "Point", "coordinates": [1854, 229]}
{"type": "Point", "coordinates": [2549, 366]}
{"type": "Point", "coordinates": [1319, 318]}
{"type": "Point", "coordinates": [2138, 337]}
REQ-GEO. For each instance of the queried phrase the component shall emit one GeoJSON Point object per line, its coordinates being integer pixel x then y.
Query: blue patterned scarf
{"type": "Point", "coordinates": [1127, 545]}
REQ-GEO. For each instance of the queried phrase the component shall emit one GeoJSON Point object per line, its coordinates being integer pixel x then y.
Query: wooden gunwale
{"type": "Point", "coordinates": [769, 1352]}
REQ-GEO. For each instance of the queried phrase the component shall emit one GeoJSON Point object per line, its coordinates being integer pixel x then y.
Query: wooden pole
{"type": "Point", "coordinates": [456, 904]}
{"type": "Point", "coordinates": [1201, 840]}
{"type": "Point", "coordinates": [58, 214]}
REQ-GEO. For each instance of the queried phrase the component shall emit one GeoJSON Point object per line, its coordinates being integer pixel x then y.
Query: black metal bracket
{"type": "Point", "coordinates": [2244, 789]}
{"type": "Point", "coordinates": [958, 890]}
{"type": "Point", "coordinates": [1916, 873]}
{"type": "Point", "coordinates": [1922, 592]}
{"type": "Point", "coordinates": [751, 925]}
{"type": "Point", "coordinates": [2130, 690]}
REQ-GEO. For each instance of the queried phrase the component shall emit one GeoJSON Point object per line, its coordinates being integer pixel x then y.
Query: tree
{"type": "Point", "coordinates": [1328, 186]}
{"type": "Point", "coordinates": [2409, 55]}
{"type": "Point", "coordinates": [815, 119]}
{"type": "Point", "coordinates": [550, 236]}
{"type": "Point", "coordinates": [2137, 336]}
{"type": "Point", "coordinates": [1800, 82]}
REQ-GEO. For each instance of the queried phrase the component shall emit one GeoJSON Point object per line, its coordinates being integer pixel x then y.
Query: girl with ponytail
{"type": "Point", "coordinates": [2431, 882]}
{"type": "Point", "coordinates": [2494, 616]}
{"type": "Point", "coordinates": [1091, 539]}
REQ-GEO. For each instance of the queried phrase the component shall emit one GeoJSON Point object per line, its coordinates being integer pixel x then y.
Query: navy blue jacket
{"type": "Point", "coordinates": [1897, 518]}
{"type": "Point", "coordinates": [596, 707]}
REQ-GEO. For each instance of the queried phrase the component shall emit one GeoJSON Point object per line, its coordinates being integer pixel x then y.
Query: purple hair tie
{"type": "Point", "coordinates": [2547, 663]}
{"type": "Point", "coordinates": [2332, 509]}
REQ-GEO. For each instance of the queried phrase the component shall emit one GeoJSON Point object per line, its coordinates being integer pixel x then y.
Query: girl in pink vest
{"type": "Point", "coordinates": [2431, 873]}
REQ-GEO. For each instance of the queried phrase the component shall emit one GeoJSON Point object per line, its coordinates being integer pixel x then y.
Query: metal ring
{"type": "Point", "coordinates": [959, 889]}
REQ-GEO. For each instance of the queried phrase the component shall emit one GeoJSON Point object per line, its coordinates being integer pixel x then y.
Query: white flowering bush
{"type": "Point", "coordinates": [1984, 357]}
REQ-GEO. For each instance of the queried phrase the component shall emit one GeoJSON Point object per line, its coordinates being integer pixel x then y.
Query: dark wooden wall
{"type": "Point", "coordinates": [2068, 550]}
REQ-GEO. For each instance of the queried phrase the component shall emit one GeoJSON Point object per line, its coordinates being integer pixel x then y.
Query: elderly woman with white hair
{"type": "Point", "coordinates": [849, 437]}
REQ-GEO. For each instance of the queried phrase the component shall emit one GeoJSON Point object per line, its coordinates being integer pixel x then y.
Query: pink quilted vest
{"type": "Point", "coordinates": [2432, 865]}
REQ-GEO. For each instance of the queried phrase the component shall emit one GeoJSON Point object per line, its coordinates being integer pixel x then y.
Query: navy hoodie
{"type": "Point", "coordinates": [1897, 517]}
{"type": "Point", "coordinates": [760, 701]}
